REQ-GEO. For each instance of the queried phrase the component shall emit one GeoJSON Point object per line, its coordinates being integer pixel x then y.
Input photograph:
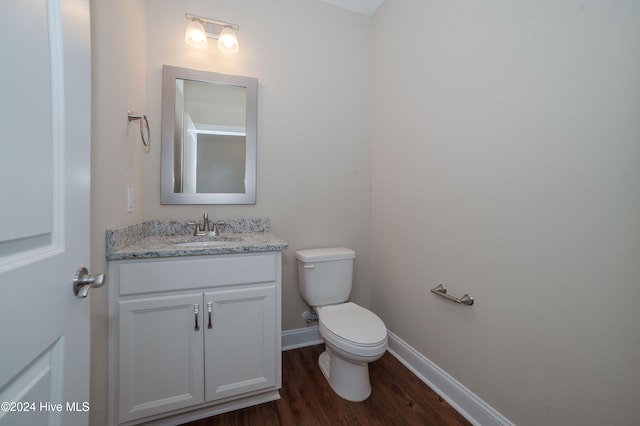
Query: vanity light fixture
{"type": "Point", "coordinates": [199, 29]}
{"type": "Point", "coordinates": [195, 35]}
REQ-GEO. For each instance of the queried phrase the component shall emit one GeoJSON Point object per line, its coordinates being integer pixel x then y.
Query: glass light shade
{"type": "Point", "coordinates": [195, 36]}
{"type": "Point", "coordinates": [228, 41]}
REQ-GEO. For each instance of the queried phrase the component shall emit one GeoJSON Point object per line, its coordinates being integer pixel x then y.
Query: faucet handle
{"type": "Point", "coordinates": [215, 229]}
{"type": "Point", "coordinates": [196, 231]}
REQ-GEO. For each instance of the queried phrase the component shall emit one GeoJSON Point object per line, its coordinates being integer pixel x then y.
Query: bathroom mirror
{"type": "Point", "coordinates": [208, 137]}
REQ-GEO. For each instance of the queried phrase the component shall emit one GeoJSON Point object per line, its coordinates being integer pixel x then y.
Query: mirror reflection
{"type": "Point", "coordinates": [208, 138]}
{"type": "Point", "coordinates": [212, 120]}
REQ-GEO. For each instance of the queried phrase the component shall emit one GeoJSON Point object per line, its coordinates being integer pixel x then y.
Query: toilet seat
{"type": "Point", "coordinates": [352, 328]}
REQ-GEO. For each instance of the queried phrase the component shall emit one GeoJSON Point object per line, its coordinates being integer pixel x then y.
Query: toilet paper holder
{"type": "Point", "coordinates": [441, 291]}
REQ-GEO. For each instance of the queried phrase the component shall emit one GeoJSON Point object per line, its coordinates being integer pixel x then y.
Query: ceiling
{"type": "Point", "coordinates": [366, 7]}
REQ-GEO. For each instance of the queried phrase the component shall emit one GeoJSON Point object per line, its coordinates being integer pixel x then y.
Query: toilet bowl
{"type": "Point", "coordinates": [353, 335]}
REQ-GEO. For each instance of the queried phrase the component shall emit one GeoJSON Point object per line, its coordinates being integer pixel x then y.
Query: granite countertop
{"type": "Point", "coordinates": [159, 238]}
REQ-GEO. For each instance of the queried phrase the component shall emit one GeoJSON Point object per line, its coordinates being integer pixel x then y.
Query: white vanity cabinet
{"type": "Point", "coordinates": [193, 336]}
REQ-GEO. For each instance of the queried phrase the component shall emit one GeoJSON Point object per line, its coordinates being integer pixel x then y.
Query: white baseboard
{"type": "Point", "coordinates": [459, 397]}
{"type": "Point", "coordinates": [300, 337]}
{"type": "Point", "coordinates": [474, 409]}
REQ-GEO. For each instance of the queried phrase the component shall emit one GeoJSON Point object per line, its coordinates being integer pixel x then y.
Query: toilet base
{"type": "Point", "coordinates": [350, 380]}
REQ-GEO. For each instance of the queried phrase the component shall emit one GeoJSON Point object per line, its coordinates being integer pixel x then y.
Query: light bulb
{"type": "Point", "coordinates": [195, 35]}
{"type": "Point", "coordinates": [228, 41]}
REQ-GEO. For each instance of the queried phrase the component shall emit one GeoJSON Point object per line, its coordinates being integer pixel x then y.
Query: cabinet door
{"type": "Point", "coordinates": [160, 353]}
{"type": "Point", "coordinates": [240, 341]}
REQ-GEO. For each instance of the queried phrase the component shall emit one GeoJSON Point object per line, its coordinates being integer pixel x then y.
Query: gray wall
{"type": "Point", "coordinates": [506, 164]}
{"type": "Point", "coordinates": [495, 150]}
{"type": "Point", "coordinates": [118, 85]}
{"type": "Point", "coordinates": [314, 153]}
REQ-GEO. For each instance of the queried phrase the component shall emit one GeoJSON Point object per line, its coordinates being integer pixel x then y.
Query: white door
{"type": "Point", "coordinates": [45, 78]}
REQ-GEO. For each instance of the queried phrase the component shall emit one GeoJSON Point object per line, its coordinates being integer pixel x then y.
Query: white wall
{"type": "Point", "coordinates": [312, 61]}
{"type": "Point", "coordinates": [506, 164]}
{"type": "Point", "coordinates": [313, 110]}
{"type": "Point", "coordinates": [118, 75]}
{"type": "Point", "coordinates": [503, 153]}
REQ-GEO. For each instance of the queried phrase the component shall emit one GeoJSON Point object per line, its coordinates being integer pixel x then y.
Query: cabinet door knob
{"type": "Point", "coordinates": [196, 310]}
{"type": "Point", "coordinates": [209, 308]}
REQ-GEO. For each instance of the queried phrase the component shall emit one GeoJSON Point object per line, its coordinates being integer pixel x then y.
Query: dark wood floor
{"type": "Point", "coordinates": [397, 398]}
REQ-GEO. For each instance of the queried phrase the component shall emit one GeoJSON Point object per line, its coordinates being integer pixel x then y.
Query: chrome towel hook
{"type": "Point", "coordinates": [146, 141]}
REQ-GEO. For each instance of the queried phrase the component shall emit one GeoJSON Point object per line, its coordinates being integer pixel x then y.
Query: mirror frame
{"type": "Point", "coordinates": [167, 176]}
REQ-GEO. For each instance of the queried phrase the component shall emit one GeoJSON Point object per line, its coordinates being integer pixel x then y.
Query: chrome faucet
{"type": "Point", "coordinates": [206, 229]}
{"type": "Point", "coordinates": [205, 222]}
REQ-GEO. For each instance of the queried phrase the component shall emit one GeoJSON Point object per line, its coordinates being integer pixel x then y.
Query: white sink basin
{"type": "Point", "coordinates": [202, 243]}
{"type": "Point", "coordinates": [213, 242]}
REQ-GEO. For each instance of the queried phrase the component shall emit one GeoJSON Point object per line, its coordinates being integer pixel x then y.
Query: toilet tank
{"type": "Point", "coordinates": [324, 275]}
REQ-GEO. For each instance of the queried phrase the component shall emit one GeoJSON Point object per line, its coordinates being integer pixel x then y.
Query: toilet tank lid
{"type": "Point", "coordinates": [325, 254]}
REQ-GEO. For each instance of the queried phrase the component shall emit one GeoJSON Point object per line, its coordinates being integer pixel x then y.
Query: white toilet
{"type": "Point", "coordinates": [353, 335]}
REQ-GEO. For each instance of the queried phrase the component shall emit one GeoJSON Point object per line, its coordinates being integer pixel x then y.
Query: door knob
{"type": "Point", "coordinates": [83, 282]}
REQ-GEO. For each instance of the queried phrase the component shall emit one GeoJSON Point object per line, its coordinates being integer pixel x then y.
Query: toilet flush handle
{"type": "Point", "coordinates": [309, 266]}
